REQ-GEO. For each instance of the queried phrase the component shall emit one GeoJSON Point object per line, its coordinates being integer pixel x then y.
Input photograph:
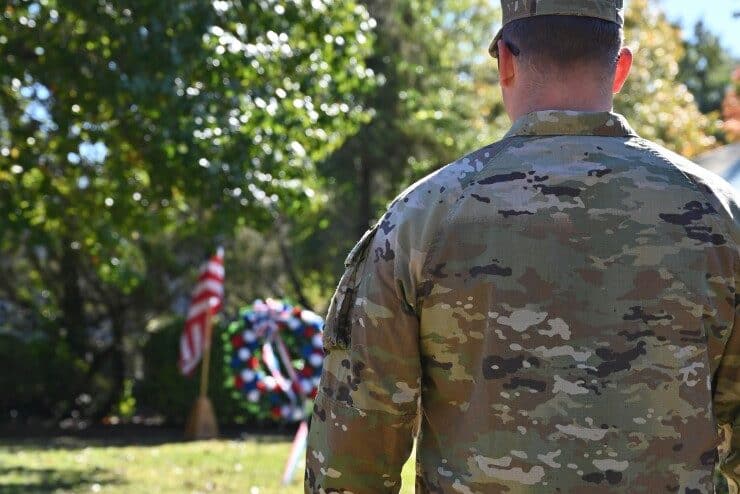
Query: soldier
{"type": "Point", "coordinates": [558, 306]}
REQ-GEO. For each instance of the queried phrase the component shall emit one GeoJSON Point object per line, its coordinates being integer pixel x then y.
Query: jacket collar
{"type": "Point", "coordinates": [561, 123]}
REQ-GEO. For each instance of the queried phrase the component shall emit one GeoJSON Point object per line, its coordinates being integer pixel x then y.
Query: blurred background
{"type": "Point", "coordinates": [137, 136]}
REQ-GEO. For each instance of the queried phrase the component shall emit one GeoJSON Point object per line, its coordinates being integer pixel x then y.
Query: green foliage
{"type": "Point", "coordinates": [162, 390]}
{"type": "Point", "coordinates": [706, 69]}
{"type": "Point", "coordinates": [660, 109]}
{"type": "Point", "coordinates": [254, 267]}
{"type": "Point", "coordinates": [28, 370]}
{"type": "Point", "coordinates": [127, 405]}
{"type": "Point", "coordinates": [133, 137]}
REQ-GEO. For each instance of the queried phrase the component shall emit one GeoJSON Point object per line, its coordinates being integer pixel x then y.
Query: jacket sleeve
{"type": "Point", "coordinates": [362, 426]}
{"type": "Point", "coordinates": [727, 401]}
{"type": "Point", "coordinates": [723, 325]}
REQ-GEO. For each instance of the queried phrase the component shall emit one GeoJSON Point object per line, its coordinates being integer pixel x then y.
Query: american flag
{"type": "Point", "coordinates": [207, 296]}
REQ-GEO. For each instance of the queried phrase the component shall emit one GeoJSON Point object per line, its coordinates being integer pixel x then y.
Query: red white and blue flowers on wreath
{"type": "Point", "coordinates": [275, 353]}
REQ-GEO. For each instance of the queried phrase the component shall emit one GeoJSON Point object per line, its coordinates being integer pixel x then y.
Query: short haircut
{"type": "Point", "coordinates": [566, 41]}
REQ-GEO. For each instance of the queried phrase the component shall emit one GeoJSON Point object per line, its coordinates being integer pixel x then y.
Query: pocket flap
{"type": "Point", "coordinates": [336, 327]}
{"type": "Point", "coordinates": [360, 248]}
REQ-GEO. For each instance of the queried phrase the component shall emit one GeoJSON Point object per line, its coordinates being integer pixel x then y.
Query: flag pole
{"type": "Point", "coordinates": [297, 450]}
{"type": "Point", "coordinates": [202, 420]}
{"type": "Point", "coordinates": [206, 363]}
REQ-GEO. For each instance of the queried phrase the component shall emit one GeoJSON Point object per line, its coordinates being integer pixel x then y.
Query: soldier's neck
{"type": "Point", "coordinates": [573, 98]}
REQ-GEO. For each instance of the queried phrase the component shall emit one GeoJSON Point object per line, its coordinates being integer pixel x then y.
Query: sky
{"type": "Point", "coordinates": [717, 15]}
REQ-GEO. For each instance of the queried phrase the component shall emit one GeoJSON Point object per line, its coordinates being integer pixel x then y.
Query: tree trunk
{"type": "Point", "coordinates": [72, 303]}
{"type": "Point", "coordinates": [289, 265]}
{"type": "Point", "coordinates": [118, 364]}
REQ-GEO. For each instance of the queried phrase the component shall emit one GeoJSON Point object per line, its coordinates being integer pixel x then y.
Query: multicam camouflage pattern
{"type": "Point", "coordinates": [556, 308]}
{"type": "Point", "coordinates": [610, 10]}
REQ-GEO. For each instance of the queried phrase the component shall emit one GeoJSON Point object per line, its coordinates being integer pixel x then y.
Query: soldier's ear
{"type": "Point", "coordinates": [506, 64]}
{"type": "Point", "coordinates": [624, 64]}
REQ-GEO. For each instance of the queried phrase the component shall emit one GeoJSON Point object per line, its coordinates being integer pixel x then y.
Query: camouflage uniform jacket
{"type": "Point", "coordinates": [558, 311]}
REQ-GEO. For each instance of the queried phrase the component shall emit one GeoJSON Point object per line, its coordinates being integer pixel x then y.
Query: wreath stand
{"type": "Point", "coordinates": [201, 423]}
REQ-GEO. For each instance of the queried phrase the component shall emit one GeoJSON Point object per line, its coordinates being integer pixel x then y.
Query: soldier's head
{"type": "Point", "coordinates": [560, 54]}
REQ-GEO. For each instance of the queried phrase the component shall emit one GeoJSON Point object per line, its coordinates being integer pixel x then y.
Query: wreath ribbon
{"type": "Point", "coordinates": [268, 357]}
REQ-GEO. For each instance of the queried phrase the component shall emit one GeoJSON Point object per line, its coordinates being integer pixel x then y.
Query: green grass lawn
{"type": "Point", "coordinates": [252, 466]}
{"type": "Point", "coordinates": [64, 465]}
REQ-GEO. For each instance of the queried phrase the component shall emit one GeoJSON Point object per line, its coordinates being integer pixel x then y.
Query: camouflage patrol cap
{"type": "Point", "coordinates": [610, 10]}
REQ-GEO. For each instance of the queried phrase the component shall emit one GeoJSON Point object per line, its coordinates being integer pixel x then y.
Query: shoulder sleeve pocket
{"type": "Point", "coordinates": [336, 327]}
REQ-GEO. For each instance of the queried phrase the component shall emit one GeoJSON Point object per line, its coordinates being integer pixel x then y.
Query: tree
{"type": "Point", "coordinates": [134, 136]}
{"type": "Point", "coordinates": [660, 108]}
{"type": "Point", "coordinates": [705, 68]}
{"type": "Point", "coordinates": [731, 109]}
